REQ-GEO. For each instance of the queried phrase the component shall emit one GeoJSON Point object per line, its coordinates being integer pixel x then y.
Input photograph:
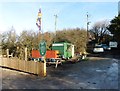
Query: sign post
{"type": "Point", "coordinates": [42, 45]}
{"type": "Point", "coordinates": [42, 49]}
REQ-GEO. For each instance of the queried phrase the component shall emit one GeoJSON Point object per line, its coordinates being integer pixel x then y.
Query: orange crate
{"type": "Point", "coordinates": [35, 54]}
{"type": "Point", "coordinates": [49, 54]}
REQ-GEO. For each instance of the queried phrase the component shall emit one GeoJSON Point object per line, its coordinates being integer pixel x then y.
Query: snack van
{"type": "Point", "coordinates": [66, 50]}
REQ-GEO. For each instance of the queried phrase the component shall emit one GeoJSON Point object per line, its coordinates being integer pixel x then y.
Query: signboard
{"type": "Point", "coordinates": [57, 44]}
{"type": "Point", "coordinates": [113, 44]}
{"type": "Point", "coordinates": [42, 48]}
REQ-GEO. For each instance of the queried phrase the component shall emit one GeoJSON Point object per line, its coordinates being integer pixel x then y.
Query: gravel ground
{"type": "Point", "coordinates": [99, 72]}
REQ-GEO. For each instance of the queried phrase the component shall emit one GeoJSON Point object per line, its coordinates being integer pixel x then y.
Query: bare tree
{"type": "Point", "coordinates": [99, 30]}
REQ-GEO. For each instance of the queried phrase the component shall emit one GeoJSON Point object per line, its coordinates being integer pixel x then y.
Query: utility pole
{"type": "Point", "coordinates": [87, 34]}
{"type": "Point", "coordinates": [87, 27]}
{"type": "Point", "coordinates": [55, 22]}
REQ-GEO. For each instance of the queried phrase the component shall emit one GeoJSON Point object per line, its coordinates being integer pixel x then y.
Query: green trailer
{"type": "Point", "coordinates": [66, 50]}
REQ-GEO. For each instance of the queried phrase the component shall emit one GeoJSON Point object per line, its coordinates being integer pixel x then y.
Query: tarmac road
{"type": "Point", "coordinates": [96, 73]}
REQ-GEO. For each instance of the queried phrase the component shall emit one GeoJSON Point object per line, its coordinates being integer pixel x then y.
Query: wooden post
{"type": "Point", "coordinates": [44, 68]}
{"type": "Point", "coordinates": [25, 53]}
{"type": "Point", "coordinates": [7, 52]}
{"type": "Point", "coordinates": [41, 69]}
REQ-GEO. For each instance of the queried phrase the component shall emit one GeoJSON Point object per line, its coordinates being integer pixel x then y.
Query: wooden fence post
{"type": "Point", "coordinates": [41, 69]}
{"type": "Point", "coordinates": [25, 53]}
{"type": "Point", "coordinates": [7, 52]}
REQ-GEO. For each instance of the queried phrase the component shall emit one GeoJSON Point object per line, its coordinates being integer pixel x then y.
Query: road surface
{"type": "Point", "coordinates": [100, 72]}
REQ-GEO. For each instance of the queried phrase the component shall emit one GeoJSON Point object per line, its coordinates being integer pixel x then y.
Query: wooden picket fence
{"type": "Point", "coordinates": [33, 67]}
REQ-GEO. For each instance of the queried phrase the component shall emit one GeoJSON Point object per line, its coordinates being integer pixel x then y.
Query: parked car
{"type": "Point", "coordinates": [106, 47]}
{"type": "Point", "coordinates": [98, 49]}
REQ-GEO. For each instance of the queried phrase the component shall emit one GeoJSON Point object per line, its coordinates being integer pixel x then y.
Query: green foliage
{"type": "Point", "coordinates": [114, 28]}
{"type": "Point", "coordinates": [30, 39]}
{"type": "Point", "coordinates": [8, 40]}
{"type": "Point", "coordinates": [48, 37]}
{"type": "Point", "coordinates": [75, 36]}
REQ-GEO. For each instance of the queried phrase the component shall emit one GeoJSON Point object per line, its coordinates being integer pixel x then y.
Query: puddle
{"type": "Point", "coordinates": [115, 64]}
{"type": "Point", "coordinates": [72, 75]}
{"type": "Point", "coordinates": [81, 87]}
{"type": "Point", "coordinates": [115, 60]}
{"type": "Point", "coordinates": [93, 83]}
{"type": "Point", "coordinates": [113, 68]}
{"type": "Point", "coordinates": [100, 70]}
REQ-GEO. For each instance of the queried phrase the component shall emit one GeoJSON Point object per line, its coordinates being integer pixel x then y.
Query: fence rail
{"type": "Point", "coordinates": [33, 67]}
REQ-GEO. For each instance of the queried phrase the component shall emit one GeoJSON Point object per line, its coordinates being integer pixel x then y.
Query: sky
{"type": "Point", "coordinates": [23, 15]}
{"type": "Point", "coordinates": [119, 7]}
